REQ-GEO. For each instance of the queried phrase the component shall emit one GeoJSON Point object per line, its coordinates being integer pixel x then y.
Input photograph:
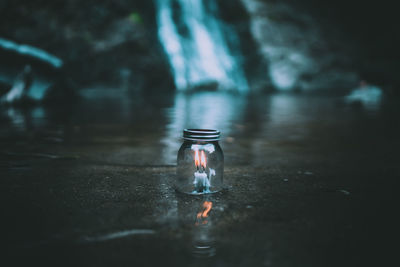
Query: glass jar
{"type": "Point", "coordinates": [200, 162]}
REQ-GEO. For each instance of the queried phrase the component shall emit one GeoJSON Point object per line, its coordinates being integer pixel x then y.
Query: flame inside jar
{"type": "Point", "coordinates": [201, 179]}
{"type": "Point", "coordinates": [196, 159]}
{"type": "Point", "coordinates": [203, 161]}
{"type": "Point", "coordinates": [200, 163]}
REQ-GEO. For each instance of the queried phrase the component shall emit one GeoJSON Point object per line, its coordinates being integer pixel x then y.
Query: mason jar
{"type": "Point", "coordinates": [200, 165]}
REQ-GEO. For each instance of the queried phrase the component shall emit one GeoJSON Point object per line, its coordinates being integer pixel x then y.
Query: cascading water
{"type": "Point", "coordinates": [196, 43]}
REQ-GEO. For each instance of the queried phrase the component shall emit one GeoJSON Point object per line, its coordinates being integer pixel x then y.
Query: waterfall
{"type": "Point", "coordinates": [196, 43]}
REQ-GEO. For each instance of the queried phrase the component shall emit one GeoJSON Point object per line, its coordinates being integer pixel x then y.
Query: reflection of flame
{"type": "Point", "coordinates": [200, 160]}
{"type": "Point", "coordinates": [203, 241]}
{"type": "Point", "coordinates": [207, 206]}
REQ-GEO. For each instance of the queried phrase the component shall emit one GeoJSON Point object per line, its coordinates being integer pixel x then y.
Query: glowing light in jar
{"type": "Point", "coordinates": [201, 182]}
{"type": "Point", "coordinates": [203, 161]}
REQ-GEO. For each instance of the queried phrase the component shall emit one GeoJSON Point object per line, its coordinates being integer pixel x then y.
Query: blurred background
{"type": "Point", "coordinates": [242, 46]}
{"type": "Point", "coordinates": [305, 93]}
{"type": "Point", "coordinates": [118, 55]}
{"type": "Point", "coordinates": [189, 63]}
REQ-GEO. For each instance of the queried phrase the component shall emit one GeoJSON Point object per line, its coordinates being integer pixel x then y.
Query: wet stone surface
{"type": "Point", "coordinates": [310, 182]}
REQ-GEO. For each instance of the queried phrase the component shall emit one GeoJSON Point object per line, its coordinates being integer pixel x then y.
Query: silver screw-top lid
{"type": "Point", "coordinates": [201, 135]}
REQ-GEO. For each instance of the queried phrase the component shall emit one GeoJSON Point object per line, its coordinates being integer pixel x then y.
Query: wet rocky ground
{"type": "Point", "coordinates": [311, 181]}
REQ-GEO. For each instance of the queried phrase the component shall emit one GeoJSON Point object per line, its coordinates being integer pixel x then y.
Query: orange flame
{"type": "Point", "coordinates": [203, 159]}
{"type": "Point", "coordinates": [207, 206]}
{"type": "Point", "coordinates": [200, 160]}
{"type": "Point", "coordinates": [196, 158]}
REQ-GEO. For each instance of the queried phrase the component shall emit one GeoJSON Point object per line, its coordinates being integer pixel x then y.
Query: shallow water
{"type": "Point", "coordinates": [117, 118]}
{"type": "Point", "coordinates": [308, 177]}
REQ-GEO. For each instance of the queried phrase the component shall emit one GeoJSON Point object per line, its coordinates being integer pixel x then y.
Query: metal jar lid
{"type": "Point", "coordinates": [201, 135]}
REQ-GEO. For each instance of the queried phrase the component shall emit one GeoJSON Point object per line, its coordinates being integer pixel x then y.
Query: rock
{"type": "Point", "coordinates": [293, 43]}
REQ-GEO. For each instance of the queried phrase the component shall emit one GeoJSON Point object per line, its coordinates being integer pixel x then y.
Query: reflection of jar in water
{"type": "Point", "coordinates": [203, 241]}
{"type": "Point", "coordinates": [200, 162]}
